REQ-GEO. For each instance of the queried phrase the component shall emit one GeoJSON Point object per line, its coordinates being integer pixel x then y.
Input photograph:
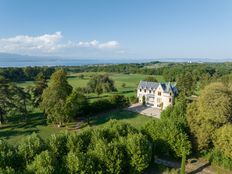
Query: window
{"type": "Point", "coordinates": [159, 93]}
{"type": "Point", "coordinates": [149, 91]}
{"type": "Point", "coordinates": [144, 90]}
{"type": "Point", "coordinates": [140, 90]}
{"type": "Point", "coordinates": [158, 100]}
{"type": "Point", "coordinates": [170, 94]}
{"type": "Point", "coordinates": [170, 100]}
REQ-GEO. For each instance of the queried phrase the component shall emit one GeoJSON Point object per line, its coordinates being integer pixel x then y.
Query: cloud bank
{"type": "Point", "coordinates": [49, 43]}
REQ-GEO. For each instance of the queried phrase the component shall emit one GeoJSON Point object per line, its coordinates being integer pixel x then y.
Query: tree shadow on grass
{"type": "Point", "coordinates": [33, 120]}
{"type": "Point", "coordinates": [7, 134]}
{"type": "Point", "coordinates": [18, 127]}
{"type": "Point", "coordinates": [200, 168]}
{"type": "Point", "coordinates": [117, 115]}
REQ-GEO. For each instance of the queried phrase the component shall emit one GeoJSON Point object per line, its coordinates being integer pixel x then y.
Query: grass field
{"type": "Point", "coordinates": [17, 129]}
{"type": "Point", "coordinates": [131, 81]}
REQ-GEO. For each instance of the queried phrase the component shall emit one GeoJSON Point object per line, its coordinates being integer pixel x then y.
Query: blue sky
{"type": "Point", "coordinates": [117, 28]}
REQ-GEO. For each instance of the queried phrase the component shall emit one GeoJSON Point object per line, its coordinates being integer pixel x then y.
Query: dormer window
{"type": "Point", "coordinates": [140, 90]}
{"type": "Point", "coordinates": [144, 90]}
{"type": "Point", "coordinates": [149, 91]}
{"type": "Point", "coordinates": [159, 93]}
{"type": "Point", "coordinates": [170, 93]}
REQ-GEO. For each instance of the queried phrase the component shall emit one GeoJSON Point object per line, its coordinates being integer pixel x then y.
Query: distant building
{"type": "Point", "coordinates": [158, 95]}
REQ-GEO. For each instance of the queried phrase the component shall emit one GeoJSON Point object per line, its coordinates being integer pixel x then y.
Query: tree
{"type": "Point", "coordinates": [7, 155]}
{"type": "Point", "coordinates": [212, 110]}
{"type": "Point", "coordinates": [76, 105]}
{"type": "Point", "coordinates": [150, 79]}
{"type": "Point", "coordinates": [119, 101]}
{"type": "Point", "coordinates": [101, 83]}
{"type": "Point", "coordinates": [22, 99]}
{"type": "Point", "coordinates": [82, 163]}
{"type": "Point", "coordinates": [185, 83]}
{"type": "Point", "coordinates": [168, 138]}
{"type": "Point", "coordinates": [54, 98]}
{"type": "Point", "coordinates": [222, 140]}
{"type": "Point", "coordinates": [40, 85]}
{"type": "Point", "coordinates": [29, 147]}
{"type": "Point", "coordinates": [111, 156]}
{"type": "Point", "coordinates": [6, 98]}
{"type": "Point", "coordinates": [42, 164]}
{"type": "Point", "coordinates": [139, 151]}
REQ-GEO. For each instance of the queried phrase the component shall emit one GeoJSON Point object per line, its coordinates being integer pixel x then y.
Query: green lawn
{"type": "Point", "coordinates": [131, 81]}
{"type": "Point", "coordinates": [17, 129]}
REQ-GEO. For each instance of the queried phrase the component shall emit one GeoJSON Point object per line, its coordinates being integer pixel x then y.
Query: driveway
{"type": "Point", "coordinates": [145, 110]}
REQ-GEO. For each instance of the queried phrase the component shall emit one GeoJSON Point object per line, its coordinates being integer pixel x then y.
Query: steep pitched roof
{"type": "Point", "coordinates": [148, 85]}
{"type": "Point", "coordinates": [167, 87]}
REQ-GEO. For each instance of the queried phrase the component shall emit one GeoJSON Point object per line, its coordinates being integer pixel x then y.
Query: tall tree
{"type": "Point", "coordinates": [101, 83]}
{"type": "Point", "coordinates": [54, 97]}
{"type": "Point", "coordinates": [6, 98]}
{"type": "Point", "coordinates": [212, 110]}
{"type": "Point", "coordinates": [185, 83]}
{"type": "Point", "coordinates": [40, 85]}
{"type": "Point", "coordinates": [76, 105]}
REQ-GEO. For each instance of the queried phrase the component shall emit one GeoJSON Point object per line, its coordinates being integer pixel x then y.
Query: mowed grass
{"type": "Point", "coordinates": [131, 81]}
{"type": "Point", "coordinates": [18, 129]}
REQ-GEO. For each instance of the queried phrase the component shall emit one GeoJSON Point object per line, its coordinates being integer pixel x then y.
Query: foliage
{"type": "Point", "coordinates": [42, 164]}
{"type": "Point", "coordinates": [7, 155]}
{"type": "Point", "coordinates": [76, 105]}
{"type": "Point", "coordinates": [212, 110]}
{"type": "Point", "coordinates": [54, 97]}
{"type": "Point", "coordinates": [140, 150]}
{"type": "Point", "coordinates": [222, 140]}
{"type": "Point", "coordinates": [168, 139]}
{"type": "Point", "coordinates": [217, 158]}
{"type": "Point", "coordinates": [119, 101]}
{"type": "Point", "coordinates": [15, 74]}
{"type": "Point", "coordinates": [29, 147]}
{"type": "Point", "coordinates": [177, 113]}
{"type": "Point", "coordinates": [37, 91]}
{"type": "Point", "coordinates": [114, 148]}
{"type": "Point", "coordinates": [101, 83]}
{"type": "Point", "coordinates": [185, 83]}
{"type": "Point", "coordinates": [151, 79]}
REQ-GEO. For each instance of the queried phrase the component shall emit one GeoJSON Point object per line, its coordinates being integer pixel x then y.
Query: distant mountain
{"type": "Point", "coordinates": [8, 57]}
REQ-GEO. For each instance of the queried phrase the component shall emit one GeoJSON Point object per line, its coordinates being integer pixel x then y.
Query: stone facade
{"type": "Point", "coordinates": [158, 95]}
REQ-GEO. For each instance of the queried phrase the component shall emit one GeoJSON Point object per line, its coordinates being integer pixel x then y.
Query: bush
{"type": "Point", "coordinates": [217, 158]}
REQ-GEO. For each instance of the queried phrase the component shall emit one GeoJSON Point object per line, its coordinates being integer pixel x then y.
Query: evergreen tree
{"type": "Point", "coordinates": [54, 98]}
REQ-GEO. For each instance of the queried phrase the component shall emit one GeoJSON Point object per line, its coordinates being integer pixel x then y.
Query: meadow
{"type": "Point", "coordinates": [17, 128]}
{"type": "Point", "coordinates": [131, 82]}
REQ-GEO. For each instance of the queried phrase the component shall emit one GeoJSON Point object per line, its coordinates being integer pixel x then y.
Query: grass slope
{"type": "Point", "coordinates": [17, 128]}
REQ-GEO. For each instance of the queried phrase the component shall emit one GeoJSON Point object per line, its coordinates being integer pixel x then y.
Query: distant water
{"type": "Point", "coordinates": [67, 62]}
{"type": "Point", "coordinates": [78, 62]}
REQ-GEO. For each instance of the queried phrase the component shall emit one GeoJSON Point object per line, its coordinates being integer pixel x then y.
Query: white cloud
{"type": "Point", "coordinates": [48, 43]}
{"type": "Point", "coordinates": [110, 44]}
{"type": "Point", "coordinates": [44, 43]}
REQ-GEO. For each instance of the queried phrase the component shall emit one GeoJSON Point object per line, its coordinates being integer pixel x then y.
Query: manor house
{"type": "Point", "coordinates": [157, 95]}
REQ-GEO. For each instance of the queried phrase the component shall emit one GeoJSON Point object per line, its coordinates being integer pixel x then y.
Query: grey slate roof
{"type": "Point", "coordinates": [148, 85]}
{"type": "Point", "coordinates": [167, 87]}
